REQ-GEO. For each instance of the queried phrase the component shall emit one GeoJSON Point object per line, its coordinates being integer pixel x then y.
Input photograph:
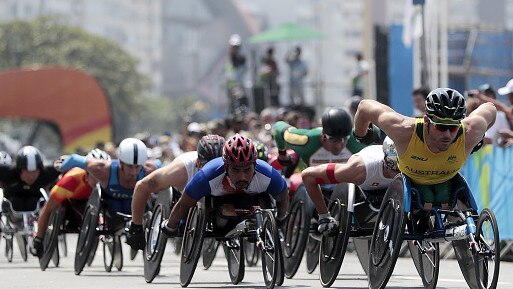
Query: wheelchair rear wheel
{"type": "Point", "coordinates": [387, 236]}
{"type": "Point", "coordinates": [487, 260]}
{"type": "Point", "coordinates": [234, 251]}
{"type": "Point", "coordinates": [108, 252]}
{"type": "Point", "coordinates": [118, 252]}
{"type": "Point", "coordinates": [50, 241]}
{"type": "Point", "coordinates": [312, 253]}
{"type": "Point", "coordinates": [192, 243]}
{"type": "Point", "coordinates": [296, 236]}
{"type": "Point", "coordinates": [333, 247]}
{"type": "Point", "coordinates": [270, 250]}
{"type": "Point", "coordinates": [87, 238]}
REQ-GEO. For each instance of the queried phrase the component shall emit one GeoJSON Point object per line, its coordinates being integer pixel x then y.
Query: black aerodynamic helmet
{"type": "Point", "coordinates": [336, 122]}
{"type": "Point", "coordinates": [209, 147]}
{"type": "Point", "coordinates": [29, 158]}
{"type": "Point", "coordinates": [446, 103]}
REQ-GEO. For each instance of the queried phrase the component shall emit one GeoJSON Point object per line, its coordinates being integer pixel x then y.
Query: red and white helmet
{"type": "Point", "coordinates": [239, 150]}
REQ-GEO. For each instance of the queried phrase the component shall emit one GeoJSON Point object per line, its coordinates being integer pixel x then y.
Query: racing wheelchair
{"type": "Point", "coordinates": [474, 237]}
{"type": "Point", "coordinates": [356, 211]}
{"type": "Point", "coordinates": [100, 224]}
{"type": "Point", "coordinates": [20, 225]}
{"type": "Point", "coordinates": [258, 225]}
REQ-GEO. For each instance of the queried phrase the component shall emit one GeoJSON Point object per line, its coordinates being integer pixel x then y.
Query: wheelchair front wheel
{"type": "Point", "coordinates": [155, 245]}
{"type": "Point", "coordinates": [487, 260]}
{"type": "Point", "coordinates": [209, 252]}
{"type": "Point", "coordinates": [296, 236]}
{"type": "Point", "coordinates": [333, 247]}
{"type": "Point", "coordinates": [426, 257]}
{"type": "Point", "coordinates": [251, 253]}
{"type": "Point", "coordinates": [312, 253]}
{"type": "Point", "coordinates": [50, 241]}
{"type": "Point", "coordinates": [9, 247]}
{"type": "Point", "coordinates": [87, 238]}
{"type": "Point", "coordinates": [22, 242]}
{"type": "Point", "coordinates": [108, 253]}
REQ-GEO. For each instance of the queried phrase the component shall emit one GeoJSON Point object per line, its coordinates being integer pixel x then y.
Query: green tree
{"type": "Point", "coordinates": [45, 41]}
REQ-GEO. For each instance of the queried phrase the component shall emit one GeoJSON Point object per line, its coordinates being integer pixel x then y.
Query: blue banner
{"type": "Point", "coordinates": [489, 174]}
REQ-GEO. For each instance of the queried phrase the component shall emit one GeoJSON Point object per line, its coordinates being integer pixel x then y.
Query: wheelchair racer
{"type": "Point", "coordinates": [432, 149]}
{"type": "Point", "coordinates": [239, 174]}
{"type": "Point", "coordinates": [117, 178]}
{"type": "Point", "coordinates": [76, 184]}
{"type": "Point", "coordinates": [22, 184]}
{"type": "Point", "coordinates": [175, 175]}
{"type": "Point", "coordinates": [373, 168]}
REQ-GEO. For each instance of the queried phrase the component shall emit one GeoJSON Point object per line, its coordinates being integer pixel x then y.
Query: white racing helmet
{"type": "Point", "coordinates": [132, 151]}
{"type": "Point", "coordinates": [98, 154]}
{"type": "Point", "coordinates": [390, 154]}
{"type": "Point", "coordinates": [235, 40]}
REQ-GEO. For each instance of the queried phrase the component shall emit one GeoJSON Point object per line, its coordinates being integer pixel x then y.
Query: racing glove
{"type": "Point", "coordinates": [38, 247]}
{"type": "Point", "coordinates": [327, 224]}
{"type": "Point", "coordinates": [135, 237]}
{"type": "Point", "coordinates": [373, 136]}
{"type": "Point", "coordinates": [169, 232]}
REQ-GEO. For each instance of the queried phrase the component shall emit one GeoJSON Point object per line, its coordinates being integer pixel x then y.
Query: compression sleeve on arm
{"type": "Point", "coordinates": [278, 131]}
{"type": "Point", "coordinates": [74, 161]}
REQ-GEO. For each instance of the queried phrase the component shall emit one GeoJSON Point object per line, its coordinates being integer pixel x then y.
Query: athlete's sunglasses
{"type": "Point", "coordinates": [334, 139]}
{"type": "Point", "coordinates": [452, 127]}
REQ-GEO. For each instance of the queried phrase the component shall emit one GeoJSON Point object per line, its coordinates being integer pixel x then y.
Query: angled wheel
{"type": "Point", "coordinates": [251, 253]}
{"type": "Point", "coordinates": [87, 238]}
{"type": "Point", "coordinates": [51, 238]}
{"type": "Point", "coordinates": [280, 275]}
{"type": "Point", "coordinates": [333, 247]}
{"type": "Point", "coordinates": [56, 259]}
{"type": "Point", "coordinates": [108, 252]}
{"type": "Point", "coordinates": [296, 236]}
{"type": "Point", "coordinates": [90, 258]}
{"type": "Point", "coordinates": [63, 244]}
{"type": "Point", "coordinates": [387, 236]}
{"type": "Point", "coordinates": [269, 250]}
{"type": "Point", "coordinates": [209, 251]}
{"type": "Point", "coordinates": [487, 260]}
{"type": "Point", "coordinates": [426, 257]}
{"type": "Point", "coordinates": [9, 247]}
{"type": "Point", "coordinates": [192, 243]}
{"type": "Point", "coordinates": [234, 251]}
{"type": "Point", "coordinates": [312, 253]}
{"type": "Point", "coordinates": [155, 245]}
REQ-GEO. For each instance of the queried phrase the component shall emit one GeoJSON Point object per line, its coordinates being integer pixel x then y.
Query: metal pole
{"type": "Point", "coordinates": [424, 77]}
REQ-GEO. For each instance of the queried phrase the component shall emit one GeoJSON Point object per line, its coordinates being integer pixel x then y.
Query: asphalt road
{"type": "Point", "coordinates": [19, 274]}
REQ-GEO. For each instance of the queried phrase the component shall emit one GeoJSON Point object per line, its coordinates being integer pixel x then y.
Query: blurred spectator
{"type": "Point", "coordinates": [269, 77]}
{"type": "Point", "coordinates": [419, 96]}
{"type": "Point", "coordinates": [361, 70]}
{"type": "Point", "coordinates": [217, 126]}
{"type": "Point", "coordinates": [297, 72]}
{"type": "Point", "coordinates": [486, 93]}
{"type": "Point", "coordinates": [508, 110]}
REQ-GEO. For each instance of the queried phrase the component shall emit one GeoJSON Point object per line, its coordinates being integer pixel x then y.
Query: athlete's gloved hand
{"type": "Point", "coordinates": [169, 232]}
{"type": "Point", "coordinates": [284, 159]}
{"type": "Point", "coordinates": [327, 224]}
{"type": "Point", "coordinates": [373, 136]}
{"type": "Point", "coordinates": [38, 247]}
{"type": "Point", "coordinates": [135, 237]}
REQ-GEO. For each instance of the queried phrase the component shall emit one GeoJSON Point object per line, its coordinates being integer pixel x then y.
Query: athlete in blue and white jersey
{"type": "Point", "coordinates": [237, 172]}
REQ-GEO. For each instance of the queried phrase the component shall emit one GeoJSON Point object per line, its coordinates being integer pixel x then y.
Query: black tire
{"type": "Point", "coordinates": [192, 243]}
{"type": "Point", "coordinates": [56, 258]}
{"type": "Point", "coordinates": [118, 253]}
{"type": "Point", "coordinates": [133, 254]}
{"type": "Point", "coordinates": [9, 248]}
{"type": "Point", "coordinates": [270, 250]}
{"type": "Point", "coordinates": [209, 252]}
{"type": "Point", "coordinates": [63, 244]}
{"type": "Point", "coordinates": [251, 253]}
{"type": "Point", "coordinates": [427, 263]}
{"type": "Point", "coordinates": [313, 246]}
{"type": "Point", "coordinates": [21, 240]}
{"type": "Point", "coordinates": [296, 236]}
{"type": "Point", "coordinates": [280, 276]}
{"type": "Point", "coordinates": [234, 251]}
{"type": "Point", "coordinates": [155, 245]}
{"type": "Point", "coordinates": [333, 248]}
{"type": "Point", "coordinates": [87, 238]}
{"type": "Point", "coordinates": [108, 252]}
{"type": "Point", "coordinates": [387, 236]}
{"type": "Point", "coordinates": [92, 254]}
{"type": "Point", "coordinates": [50, 241]}
{"type": "Point", "coordinates": [487, 260]}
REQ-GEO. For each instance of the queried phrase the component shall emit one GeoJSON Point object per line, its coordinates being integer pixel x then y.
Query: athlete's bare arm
{"type": "Point", "coordinates": [477, 123]}
{"type": "Point", "coordinates": [173, 175]}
